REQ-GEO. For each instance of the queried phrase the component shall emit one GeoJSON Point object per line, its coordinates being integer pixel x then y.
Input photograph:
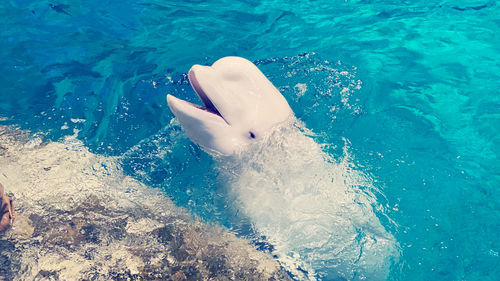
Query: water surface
{"type": "Point", "coordinates": [410, 88]}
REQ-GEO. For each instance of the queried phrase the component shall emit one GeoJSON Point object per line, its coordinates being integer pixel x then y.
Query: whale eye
{"type": "Point", "coordinates": [252, 135]}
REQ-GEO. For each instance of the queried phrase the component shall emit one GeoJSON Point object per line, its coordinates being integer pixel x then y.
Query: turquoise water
{"type": "Point", "coordinates": [410, 87]}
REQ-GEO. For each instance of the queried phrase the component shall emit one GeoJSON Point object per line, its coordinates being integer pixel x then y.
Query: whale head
{"type": "Point", "coordinates": [240, 105]}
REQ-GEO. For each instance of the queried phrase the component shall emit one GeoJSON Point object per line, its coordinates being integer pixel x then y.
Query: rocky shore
{"type": "Point", "coordinates": [79, 218]}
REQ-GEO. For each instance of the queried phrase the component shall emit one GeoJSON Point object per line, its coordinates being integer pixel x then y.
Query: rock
{"type": "Point", "coordinates": [23, 229]}
{"type": "Point", "coordinates": [179, 276]}
{"type": "Point", "coordinates": [79, 220]}
{"type": "Point", "coordinates": [143, 225]}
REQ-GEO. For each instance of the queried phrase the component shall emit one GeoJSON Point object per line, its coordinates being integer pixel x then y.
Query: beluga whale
{"type": "Point", "coordinates": [241, 105]}
{"type": "Point", "coordinates": [310, 207]}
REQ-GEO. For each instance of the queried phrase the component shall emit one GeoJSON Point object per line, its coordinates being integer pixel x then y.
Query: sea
{"type": "Point", "coordinates": [410, 88]}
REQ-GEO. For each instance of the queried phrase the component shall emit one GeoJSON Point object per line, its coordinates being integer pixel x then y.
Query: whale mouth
{"type": "Point", "coordinates": [209, 106]}
{"type": "Point", "coordinates": [238, 105]}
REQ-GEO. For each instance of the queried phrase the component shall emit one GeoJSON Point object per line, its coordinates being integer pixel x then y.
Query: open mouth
{"type": "Point", "coordinates": [209, 106]}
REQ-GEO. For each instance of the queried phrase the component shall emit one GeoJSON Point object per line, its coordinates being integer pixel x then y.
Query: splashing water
{"type": "Point", "coordinates": [316, 212]}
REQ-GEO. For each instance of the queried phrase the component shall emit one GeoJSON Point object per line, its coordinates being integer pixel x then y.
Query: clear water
{"type": "Point", "coordinates": [409, 87]}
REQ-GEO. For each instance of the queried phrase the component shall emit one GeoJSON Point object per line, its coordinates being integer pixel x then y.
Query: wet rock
{"type": "Point", "coordinates": [80, 221]}
{"type": "Point", "coordinates": [179, 276]}
{"type": "Point", "coordinates": [192, 273]}
{"type": "Point", "coordinates": [143, 225]}
{"type": "Point", "coordinates": [6, 250]}
{"type": "Point", "coordinates": [47, 275]}
{"type": "Point", "coordinates": [23, 229]}
{"type": "Point", "coordinates": [90, 233]}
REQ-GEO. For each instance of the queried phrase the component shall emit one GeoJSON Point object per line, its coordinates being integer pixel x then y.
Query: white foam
{"type": "Point", "coordinates": [312, 209]}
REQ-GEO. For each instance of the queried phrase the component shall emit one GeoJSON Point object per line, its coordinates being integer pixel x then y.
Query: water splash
{"type": "Point", "coordinates": [318, 213]}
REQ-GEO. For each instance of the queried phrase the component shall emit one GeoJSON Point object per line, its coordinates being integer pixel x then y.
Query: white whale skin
{"type": "Point", "coordinates": [241, 105]}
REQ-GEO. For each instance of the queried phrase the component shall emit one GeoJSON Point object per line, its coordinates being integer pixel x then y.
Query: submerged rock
{"type": "Point", "coordinates": [80, 218]}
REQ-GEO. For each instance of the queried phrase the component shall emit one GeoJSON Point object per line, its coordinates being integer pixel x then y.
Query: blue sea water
{"type": "Point", "coordinates": [412, 87]}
